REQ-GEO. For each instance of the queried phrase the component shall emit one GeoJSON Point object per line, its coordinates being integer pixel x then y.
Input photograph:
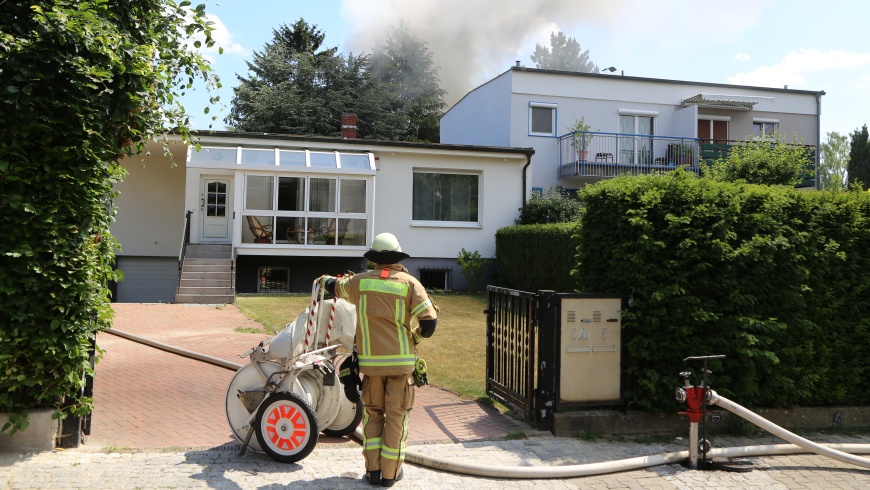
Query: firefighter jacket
{"type": "Point", "coordinates": [388, 301]}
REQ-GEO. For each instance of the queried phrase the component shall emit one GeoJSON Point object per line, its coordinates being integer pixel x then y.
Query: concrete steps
{"type": "Point", "coordinates": [206, 275]}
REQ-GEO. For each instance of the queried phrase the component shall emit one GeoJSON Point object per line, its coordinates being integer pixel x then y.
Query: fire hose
{"type": "Point", "coordinates": [800, 445]}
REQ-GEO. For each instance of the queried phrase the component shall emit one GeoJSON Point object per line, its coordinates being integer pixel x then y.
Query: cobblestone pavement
{"type": "Point", "coordinates": [339, 466]}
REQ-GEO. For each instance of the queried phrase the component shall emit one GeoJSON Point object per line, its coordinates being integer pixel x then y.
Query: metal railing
{"type": "Point", "coordinates": [185, 239]}
{"type": "Point", "coordinates": [600, 154]}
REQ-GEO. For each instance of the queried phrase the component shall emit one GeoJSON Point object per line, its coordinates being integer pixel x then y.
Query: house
{"type": "Point", "coordinates": [635, 125]}
{"type": "Point", "coordinates": [254, 212]}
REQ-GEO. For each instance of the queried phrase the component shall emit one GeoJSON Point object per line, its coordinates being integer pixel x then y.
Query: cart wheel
{"type": "Point", "coordinates": [350, 427]}
{"type": "Point", "coordinates": [286, 427]}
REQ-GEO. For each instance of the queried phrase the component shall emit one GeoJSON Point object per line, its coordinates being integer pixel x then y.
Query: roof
{"type": "Point", "coordinates": [662, 80]}
{"type": "Point", "coordinates": [371, 144]}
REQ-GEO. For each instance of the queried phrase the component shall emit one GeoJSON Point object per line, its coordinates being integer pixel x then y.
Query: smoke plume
{"type": "Point", "coordinates": [473, 40]}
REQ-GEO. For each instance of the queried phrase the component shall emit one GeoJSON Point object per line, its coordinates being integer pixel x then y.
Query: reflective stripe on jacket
{"type": "Point", "coordinates": [386, 342]}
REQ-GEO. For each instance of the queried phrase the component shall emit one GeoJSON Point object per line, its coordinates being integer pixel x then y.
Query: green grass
{"type": "Point", "coordinates": [456, 354]}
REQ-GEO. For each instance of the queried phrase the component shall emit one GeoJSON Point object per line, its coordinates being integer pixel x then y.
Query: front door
{"type": "Point", "coordinates": [215, 201]}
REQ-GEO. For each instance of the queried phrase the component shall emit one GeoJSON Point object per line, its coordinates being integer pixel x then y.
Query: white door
{"type": "Point", "coordinates": [216, 208]}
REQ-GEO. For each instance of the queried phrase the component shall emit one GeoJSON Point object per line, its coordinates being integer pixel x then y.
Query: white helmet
{"type": "Point", "coordinates": [386, 250]}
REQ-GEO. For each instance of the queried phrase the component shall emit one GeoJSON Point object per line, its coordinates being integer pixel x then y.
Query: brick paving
{"type": "Point", "coordinates": [148, 398]}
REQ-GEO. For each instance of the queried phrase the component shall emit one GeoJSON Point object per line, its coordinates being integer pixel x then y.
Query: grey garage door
{"type": "Point", "coordinates": [147, 279]}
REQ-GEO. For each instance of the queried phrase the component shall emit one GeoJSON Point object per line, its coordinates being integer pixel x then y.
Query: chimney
{"type": "Point", "coordinates": [348, 126]}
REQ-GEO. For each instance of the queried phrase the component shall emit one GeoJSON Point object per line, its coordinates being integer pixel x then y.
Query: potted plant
{"type": "Point", "coordinates": [581, 140]}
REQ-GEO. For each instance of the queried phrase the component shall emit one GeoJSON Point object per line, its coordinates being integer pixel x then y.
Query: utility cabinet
{"type": "Point", "coordinates": [589, 350]}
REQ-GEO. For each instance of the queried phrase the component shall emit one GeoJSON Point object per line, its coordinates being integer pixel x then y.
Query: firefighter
{"type": "Point", "coordinates": [388, 301]}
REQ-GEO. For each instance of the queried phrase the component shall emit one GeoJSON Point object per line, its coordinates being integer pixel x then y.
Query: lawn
{"type": "Point", "coordinates": [456, 354]}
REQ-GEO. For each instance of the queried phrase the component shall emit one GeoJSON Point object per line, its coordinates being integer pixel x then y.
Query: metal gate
{"type": "Point", "coordinates": [519, 352]}
{"type": "Point", "coordinates": [534, 357]}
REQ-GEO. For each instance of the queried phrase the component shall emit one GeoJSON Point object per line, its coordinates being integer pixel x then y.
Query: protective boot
{"type": "Point", "coordinates": [387, 482]}
{"type": "Point", "coordinates": [374, 477]}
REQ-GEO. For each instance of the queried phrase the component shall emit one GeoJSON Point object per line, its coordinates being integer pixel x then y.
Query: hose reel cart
{"type": "Point", "coordinates": [289, 391]}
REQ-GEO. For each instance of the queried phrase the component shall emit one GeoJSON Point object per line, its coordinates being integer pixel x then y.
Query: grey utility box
{"type": "Point", "coordinates": [589, 350]}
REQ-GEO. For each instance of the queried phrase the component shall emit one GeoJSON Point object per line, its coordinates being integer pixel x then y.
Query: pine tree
{"type": "Point", "coordinates": [563, 54]}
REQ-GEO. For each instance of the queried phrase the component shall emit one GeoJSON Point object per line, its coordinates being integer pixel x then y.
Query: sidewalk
{"type": "Point", "coordinates": [159, 423]}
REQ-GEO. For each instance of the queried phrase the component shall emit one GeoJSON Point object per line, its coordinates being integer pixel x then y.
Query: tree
{"type": "Point", "coordinates": [404, 64]}
{"type": "Point", "coordinates": [768, 162]}
{"type": "Point", "coordinates": [833, 162]}
{"type": "Point", "coordinates": [563, 54]}
{"type": "Point", "coordinates": [83, 85]}
{"type": "Point", "coordinates": [296, 86]}
{"type": "Point", "coordinates": [858, 169]}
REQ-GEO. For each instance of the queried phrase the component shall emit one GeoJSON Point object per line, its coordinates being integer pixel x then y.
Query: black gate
{"type": "Point", "coordinates": [520, 352]}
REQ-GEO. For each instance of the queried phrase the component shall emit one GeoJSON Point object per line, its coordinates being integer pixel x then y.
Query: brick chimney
{"type": "Point", "coordinates": [348, 126]}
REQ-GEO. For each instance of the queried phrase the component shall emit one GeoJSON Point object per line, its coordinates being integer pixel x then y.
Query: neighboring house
{"type": "Point", "coordinates": [254, 212]}
{"type": "Point", "coordinates": [636, 125]}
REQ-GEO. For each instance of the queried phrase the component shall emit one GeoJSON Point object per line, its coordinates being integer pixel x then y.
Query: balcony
{"type": "Point", "coordinates": [598, 154]}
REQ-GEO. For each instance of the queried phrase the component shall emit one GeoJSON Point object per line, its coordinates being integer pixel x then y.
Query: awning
{"type": "Point", "coordinates": [739, 102]}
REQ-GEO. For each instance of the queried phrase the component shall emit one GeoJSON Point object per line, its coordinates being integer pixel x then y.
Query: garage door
{"type": "Point", "coordinates": [147, 279]}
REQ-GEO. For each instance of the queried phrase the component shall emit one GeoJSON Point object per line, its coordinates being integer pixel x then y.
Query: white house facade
{"type": "Point", "coordinates": [254, 212]}
{"type": "Point", "coordinates": [635, 125]}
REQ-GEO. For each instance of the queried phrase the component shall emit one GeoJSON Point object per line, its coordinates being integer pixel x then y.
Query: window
{"type": "Point", "coordinates": [445, 197]}
{"type": "Point", "coordinates": [542, 119]}
{"type": "Point", "coordinates": [713, 131]}
{"type": "Point", "coordinates": [273, 279]}
{"type": "Point", "coordinates": [305, 210]}
{"type": "Point", "coordinates": [634, 146]}
{"type": "Point", "coordinates": [764, 129]}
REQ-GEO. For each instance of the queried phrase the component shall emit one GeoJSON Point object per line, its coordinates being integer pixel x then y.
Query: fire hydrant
{"type": "Point", "coordinates": [695, 397]}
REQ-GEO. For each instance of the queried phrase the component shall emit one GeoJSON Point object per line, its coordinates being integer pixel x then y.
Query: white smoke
{"type": "Point", "coordinates": [474, 40]}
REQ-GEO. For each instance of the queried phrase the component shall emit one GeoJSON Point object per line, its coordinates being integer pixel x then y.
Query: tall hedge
{"type": "Point", "coordinates": [536, 257]}
{"type": "Point", "coordinates": [82, 83]}
{"type": "Point", "coordinates": [775, 279]}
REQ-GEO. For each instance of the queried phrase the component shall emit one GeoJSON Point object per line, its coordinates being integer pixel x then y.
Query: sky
{"type": "Point", "coordinates": [806, 45]}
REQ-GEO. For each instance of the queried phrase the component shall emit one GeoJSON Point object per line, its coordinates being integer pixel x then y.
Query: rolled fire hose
{"type": "Point", "coordinates": [800, 445]}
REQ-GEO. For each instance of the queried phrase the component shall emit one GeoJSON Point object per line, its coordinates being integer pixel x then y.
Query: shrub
{"type": "Point", "coordinates": [472, 265]}
{"type": "Point", "coordinates": [554, 206]}
{"type": "Point", "coordinates": [771, 277]}
{"type": "Point", "coordinates": [537, 257]}
{"type": "Point", "coordinates": [767, 162]}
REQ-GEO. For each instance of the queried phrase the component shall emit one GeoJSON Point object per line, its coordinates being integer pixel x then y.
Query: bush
{"type": "Point", "coordinates": [84, 84]}
{"type": "Point", "coordinates": [537, 257]}
{"type": "Point", "coordinates": [771, 277]}
{"type": "Point", "coordinates": [766, 162]}
{"type": "Point", "coordinates": [472, 265]}
{"type": "Point", "coordinates": [554, 206]}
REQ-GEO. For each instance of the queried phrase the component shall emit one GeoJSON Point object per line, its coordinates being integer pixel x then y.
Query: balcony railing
{"type": "Point", "coordinates": [598, 154]}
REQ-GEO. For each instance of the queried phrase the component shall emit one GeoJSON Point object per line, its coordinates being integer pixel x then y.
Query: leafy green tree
{"type": "Point", "coordinates": [768, 162]}
{"type": "Point", "coordinates": [834, 160]}
{"type": "Point", "coordinates": [554, 206]}
{"type": "Point", "coordinates": [83, 85]}
{"type": "Point", "coordinates": [403, 63]}
{"type": "Point", "coordinates": [859, 158]}
{"type": "Point", "coordinates": [563, 54]}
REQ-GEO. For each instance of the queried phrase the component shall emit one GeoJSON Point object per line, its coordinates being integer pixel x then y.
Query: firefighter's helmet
{"type": "Point", "coordinates": [386, 250]}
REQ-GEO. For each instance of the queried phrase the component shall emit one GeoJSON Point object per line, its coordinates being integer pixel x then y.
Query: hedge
{"type": "Point", "coordinates": [774, 278]}
{"type": "Point", "coordinates": [536, 257]}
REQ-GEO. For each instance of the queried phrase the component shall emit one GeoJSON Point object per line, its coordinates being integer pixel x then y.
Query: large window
{"type": "Point", "coordinates": [305, 210]}
{"type": "Point", "coordinates": [445, 197]}
{"type": "Point", "coordinates": [635, 143]}
{"type": "Point", "coordinates": [542, 119]}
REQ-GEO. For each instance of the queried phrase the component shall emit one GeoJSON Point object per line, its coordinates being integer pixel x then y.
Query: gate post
{"type": "Point", "coordinates": [545, 397]}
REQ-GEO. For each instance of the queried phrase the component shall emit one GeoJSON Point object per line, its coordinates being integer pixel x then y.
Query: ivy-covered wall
{"type": "Point", "coordinates": [776, 279]}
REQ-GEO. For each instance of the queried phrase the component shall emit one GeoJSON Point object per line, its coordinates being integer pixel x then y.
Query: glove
{"type": "Point", "coordinates": [349, 377]}
{"type": "Point", "coordinates": [421, 378]}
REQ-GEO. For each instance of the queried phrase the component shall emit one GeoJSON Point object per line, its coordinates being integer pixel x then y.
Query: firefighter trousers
{"type": "Point", "coordinates": [388, 401]}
